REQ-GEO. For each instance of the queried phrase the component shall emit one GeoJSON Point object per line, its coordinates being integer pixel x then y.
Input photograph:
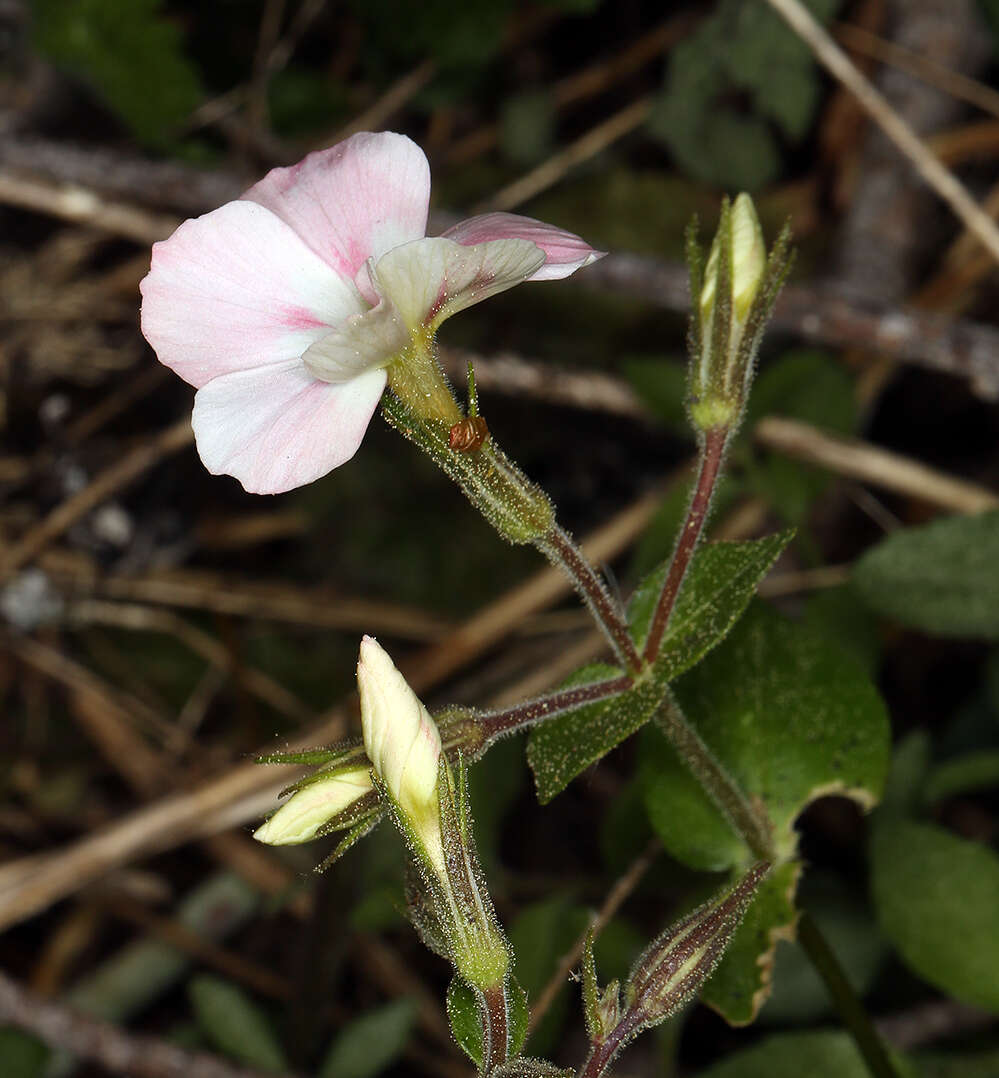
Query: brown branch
{"type": "Point", "coordinates": [869, 463]}
{"type": "Point", "coordinates": [321, 608]}
{"type": "Point", "coordinates": [100, 1042]}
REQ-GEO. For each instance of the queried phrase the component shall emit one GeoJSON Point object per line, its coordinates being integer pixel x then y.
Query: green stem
{"type": "Point", "coordinates": [845, 1000]}
{"type": "Point", "coordinates": [716, 781]}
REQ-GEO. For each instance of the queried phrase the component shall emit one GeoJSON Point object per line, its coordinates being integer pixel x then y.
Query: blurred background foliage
{"type": "Point", "coordinates": [627, 118]}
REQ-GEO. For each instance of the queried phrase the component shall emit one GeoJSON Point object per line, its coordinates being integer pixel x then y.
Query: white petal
{"type": "Point", "coordinates": [276, 428]}
{"type": "Point", "coordinates": [237, 289]}
{"type": "Point", "coordinates": [356, 200]}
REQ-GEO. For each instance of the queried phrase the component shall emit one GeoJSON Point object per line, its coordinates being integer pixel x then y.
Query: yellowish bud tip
{"type": "Point", "coordinates": [749, 254]}
{"type": "Point", "coordinates": [305, 812]}
{"type": "Point", "coordinates": [402, 742]}
{"type": "Point", "coordinates": [749, 260]}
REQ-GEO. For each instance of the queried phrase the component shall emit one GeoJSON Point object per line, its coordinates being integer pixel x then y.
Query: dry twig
{"type": "Point", "coordinates": [946, 185]}
{"type": "Point", "coordinates": [860, 460]}
{"type": "Point", "coordinates": [106, 1044]}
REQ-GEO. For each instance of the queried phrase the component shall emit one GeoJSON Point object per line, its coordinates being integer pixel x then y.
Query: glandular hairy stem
{"type": "Point", "coordinates": [750, 824]}
{"type": "Point", "coordinates": [561, 551]}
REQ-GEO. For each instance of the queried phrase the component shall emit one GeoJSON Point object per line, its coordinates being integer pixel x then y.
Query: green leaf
{"type": "Point", "coordinates": [370, 1044]}
{"type": "Point", "coordinates": [742, 50]}
{"type": "Point", "coordinates": [940, 577]}
{"type": "Point", "coordinates": [563, 747]}
{"type": "Point", "coordinates": [22, 1055]}
{"type": "Point", "coordinates": [234, 1024]}
{"type": "Point", "coordinates": [839, 614]}
{"type": "Point", "coordinates": [972, 771]}
{"type": "Point", "coordinates": [936, 900]}
{"type": "Point", "coordinates": [466, 1025]}
{"type": "Point", "coordinates": [906, 776]}
{"type": "Point", "coordinates": [791, 717]}
{"type": "Point", "coordinates": [794, 1055]}
{"type": "Point", "coordinates": [130, 53]}
{"type": "Point", "coordinates": [720, 582]}
{"type": "Point", "coordinates": [740, 984]}
{"type": "Point", "coordinates": [463, 1015]}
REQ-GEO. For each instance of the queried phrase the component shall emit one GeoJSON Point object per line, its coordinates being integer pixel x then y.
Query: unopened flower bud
{"type": "Point", "coordinates": [748, 256]}
{"type": "Point", "coordinates": [676, 964]}
{"type": "Point", "coordinates": [317, 804]}
{"type": "Point", "coordinates": [734, 297]}
{"type": "Point", "coordinates": [404, 747]}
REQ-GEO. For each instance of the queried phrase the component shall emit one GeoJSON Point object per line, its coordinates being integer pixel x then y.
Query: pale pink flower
{"type": "Point", "coordinates": [285, 307]}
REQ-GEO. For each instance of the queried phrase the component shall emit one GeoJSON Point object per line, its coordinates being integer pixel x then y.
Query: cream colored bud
{"type": "Point", "coordinates": [306, 811]}
{"type": "Point", "coordinates": [403, 745]}
{"type": "Point", "coordinates": [749, 260]}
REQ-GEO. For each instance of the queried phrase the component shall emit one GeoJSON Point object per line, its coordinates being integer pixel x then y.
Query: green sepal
{"type": "Point", "coordinates": [355, 834]}
{"type": "Point", "coordinates": [591, 991]}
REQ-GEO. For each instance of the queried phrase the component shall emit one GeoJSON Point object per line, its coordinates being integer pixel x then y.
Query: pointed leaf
{"type": "Point", "coordinates": [371, 1043]}
{"type": "Point", "coordinates": [940, 577]}
{"type": "Point", "coordinates": [936, 900]}
{"type": "Point", "coordinates": [563, 747]}
{"type": "Point", "coordinates": [720, 582]}
{"type": "Point", "coordinates": [463, 1015]}
{"type": "Point", "coordinates": [466, 1024]}
{"type": "Point", "coordinates": [235, 1024]}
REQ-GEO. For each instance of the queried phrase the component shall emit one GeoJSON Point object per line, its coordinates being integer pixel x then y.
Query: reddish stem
{"type": "Point", "coordinates": [712, 454]}
{"type": "Point", "coordinates": [495, 724]}
{"type": "Point", "coordinates": [562, 552]}
{"type": "Point", "coordinates": [496, 1027]}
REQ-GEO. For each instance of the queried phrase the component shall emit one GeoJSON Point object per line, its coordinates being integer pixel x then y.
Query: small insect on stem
{"type": "Point", "coordinates": [468, 434]}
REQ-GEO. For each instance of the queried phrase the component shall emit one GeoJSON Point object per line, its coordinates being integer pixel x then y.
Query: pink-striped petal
{"type": "Point", "coordinates": [431, 279]}
{"type": "Point", "coordinates": [235, 290]}
{"type": "Point", "coordinates": [277, 428]}
{"type": "Point", "coordinates": [564, 251]}
{"type": "Point", "coordinates": [354, 201]}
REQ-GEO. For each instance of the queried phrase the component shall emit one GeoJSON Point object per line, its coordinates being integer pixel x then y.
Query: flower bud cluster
{"type": "Point", "coordinates": [733, 296]}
